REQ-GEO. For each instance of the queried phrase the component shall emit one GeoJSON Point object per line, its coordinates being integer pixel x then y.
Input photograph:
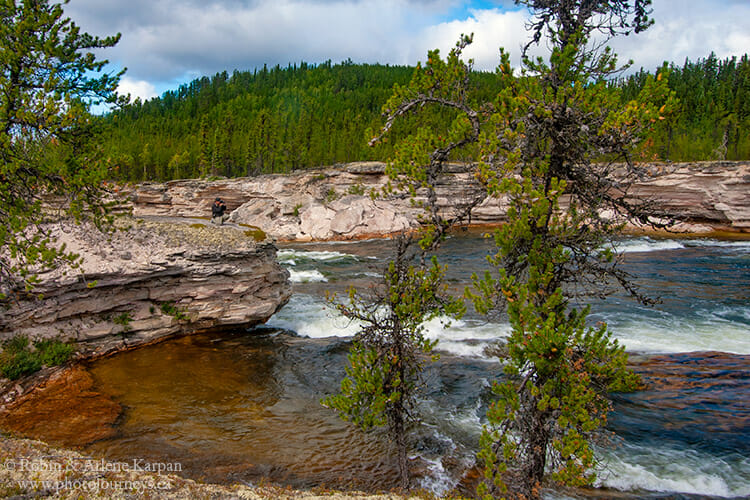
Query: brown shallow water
{"type": "Point", "coordinates": [65, 410]}
{"type": "Point", "coordinates": [219, 406]}
{"type": "Point", "coordinates": [244, 407]}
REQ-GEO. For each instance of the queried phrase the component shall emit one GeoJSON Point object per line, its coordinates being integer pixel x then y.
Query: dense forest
{"type": "Point", "coordinates": [305, 116]}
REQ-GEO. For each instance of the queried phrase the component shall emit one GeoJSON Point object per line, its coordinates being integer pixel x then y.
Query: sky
{"type": "Point", "coordinates": [166, 43]}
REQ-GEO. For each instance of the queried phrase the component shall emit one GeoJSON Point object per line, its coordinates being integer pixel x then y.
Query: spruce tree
{"type": "Point", "coordinates": [560, 149]}
{"type": "Point", "coordinates": [391, 349]}
{"type": "Point", "coordinates": [48, 80]}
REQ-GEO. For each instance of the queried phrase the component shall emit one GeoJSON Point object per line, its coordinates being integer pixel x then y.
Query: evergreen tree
{"type": "Point", "coordinates": [558, 131]}
{"type": "Point", "coordinates": [204, 149]}
{"type": "Point", "coordinates": [389, 353]}
{"type": "Point", "coordinates": [47, 82]}
{"type": "Point", "coordinates": [321, 115]}
{"type": "Point", "coordinates": [557, 144]}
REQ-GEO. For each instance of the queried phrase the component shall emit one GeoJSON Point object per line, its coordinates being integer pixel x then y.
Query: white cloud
{"type": "Point", "coordinates": [492, 30]}
{"type": "Point", "coordinates": [136, 88]}
{"type": "Point", "coordinates": [165, 41]}
{"type": "Point", "coordinates": [689, 29]}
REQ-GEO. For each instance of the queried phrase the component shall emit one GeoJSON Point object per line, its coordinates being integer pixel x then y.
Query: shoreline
{"type": "Point", "coordinates": [40, 380]}
{"type": "Point", "coordinates": [32, 468]}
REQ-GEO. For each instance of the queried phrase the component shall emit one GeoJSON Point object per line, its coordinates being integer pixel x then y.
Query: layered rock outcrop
{"type": "Point", "coordinates": [150, 281]}
{"type": "Point", "coordinates": [335, 203]}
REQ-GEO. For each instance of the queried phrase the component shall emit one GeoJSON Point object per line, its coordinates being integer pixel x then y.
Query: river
{"type": "Point", "coordinates": [243, 406]}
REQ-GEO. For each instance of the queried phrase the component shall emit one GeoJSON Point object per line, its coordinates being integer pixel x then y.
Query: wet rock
{"type": "Point", "coordinates": [80, 414]}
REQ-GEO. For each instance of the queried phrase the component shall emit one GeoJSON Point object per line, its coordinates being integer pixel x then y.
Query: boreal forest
{"type": "Point", "coordinates": [275, 120]}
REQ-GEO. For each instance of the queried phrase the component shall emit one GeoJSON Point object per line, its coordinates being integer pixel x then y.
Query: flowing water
{"type": "Point", "coordinates": [241, 406]}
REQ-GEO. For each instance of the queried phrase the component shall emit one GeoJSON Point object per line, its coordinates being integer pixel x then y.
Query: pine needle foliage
{"type": "Point", "coordinates": [49, 165]}
{"type": "Point", "coordinates": [560, 147]}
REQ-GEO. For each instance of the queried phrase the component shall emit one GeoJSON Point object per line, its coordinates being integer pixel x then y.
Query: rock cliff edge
{"type": "Point", "coordinates": [150, 280]}
{"type": "Point", "coordinates": [335, 203]}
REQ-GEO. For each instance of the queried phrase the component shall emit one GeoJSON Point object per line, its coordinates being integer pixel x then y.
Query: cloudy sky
{"type": "Point", "coordinates": [169, 42]}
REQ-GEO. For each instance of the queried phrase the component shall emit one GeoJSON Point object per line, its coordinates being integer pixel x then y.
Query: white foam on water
{"type": "Point", "coordinates": [291, 257]}
{"type": "Point", "coordinates": [469, 337]}
{"type": "Point", "coordinates": [437, 480]}
{"type": "Point", "coordinates": [666, 470]}
{"type": "Point", "coordinates": [313, 276]}
{"type": "Point", "coordinates": [311, 317]}
{"type": "Point", "coordinates": [465, 337]}
{"type": "Point", "coordinates": [671, 334]}
{"type": "Point", "coordinates": [741, 245]}
{"type": "Point", "coordinates": [646, 244]}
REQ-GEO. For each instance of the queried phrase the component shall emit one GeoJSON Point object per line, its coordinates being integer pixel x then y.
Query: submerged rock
{"type": "Point", "coordinates": [65, 410]}
{"type": "Point", "coordinates": [150, 280]}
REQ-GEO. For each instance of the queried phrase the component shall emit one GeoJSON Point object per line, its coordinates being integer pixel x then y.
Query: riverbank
{"type": "Point", "coordinates": [328, 274]}
{"type": "Point", "coordinates": [144, 282]}
{"type": "Point", "coordinates": [33, 469]}
{"type": "Point", "coordinates": [331, 204]}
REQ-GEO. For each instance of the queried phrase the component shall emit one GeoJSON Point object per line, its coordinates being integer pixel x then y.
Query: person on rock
{"type": "Point", "coordinates": [217, 212]}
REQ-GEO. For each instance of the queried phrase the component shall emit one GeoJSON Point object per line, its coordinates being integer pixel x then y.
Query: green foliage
{"type": "Point", "coordinates": [357, 189]}
{"type": "Point", "coordinates": [19, 364]}
{"type": "Point", "coordinates": [256, 233]}
{"type": "Point", "coordinates": [559, 129]}
{"type": "Point", "coordinates": [555, 131]}
{"type": "Point", "coordinates": [306, 116]}
{"type": "Point", "coordinates": [367, 389]}
{"type": "Point", "coordinates": [18, 359]}
{"type": "Point", "coordinates": [123, 319]}
{"type": "Point", "coordinates": [712, 119]}
{"type": "Point", "coordinates": [272, 120]}
{"type": "Point", "coordinates": [47, 79]}
{"type": "Point", "coordinates": [558, 370]}
{"type": "Point", "coordinates": [171, 309]}
{"type": "Point", "coordinates": [16, 344]}
{"type": "Point", "coordinates": [389, 352]}
{"type": "Point", "coordinates": [331, 196]}
{"type": "Point", "coordinates": [54, 352]}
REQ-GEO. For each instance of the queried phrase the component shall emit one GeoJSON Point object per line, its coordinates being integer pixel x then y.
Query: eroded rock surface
{"type": "Point", "coordinates": [151, 281]}
{"type": "Point", "coordinates": [335, 204]}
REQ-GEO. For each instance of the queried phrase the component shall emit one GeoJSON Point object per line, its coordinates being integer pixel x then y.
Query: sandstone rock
{"type": "Point", "coordinates": [335, 203]}
{"type": "Point", "coordinates": [81, 415]}
{"type": "Point", "coordinates": [176, 279]}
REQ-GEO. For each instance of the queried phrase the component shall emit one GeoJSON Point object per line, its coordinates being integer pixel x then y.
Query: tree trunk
{"type": "Point", "coordinates": [532, 470]}
{"type": "Point", "coordinates": [403, 464]}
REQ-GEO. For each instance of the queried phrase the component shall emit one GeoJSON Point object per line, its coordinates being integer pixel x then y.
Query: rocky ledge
{"type": "Point", "coordinates": [150, 280]}
{"type": "Point", "coordinates": [335, 203]}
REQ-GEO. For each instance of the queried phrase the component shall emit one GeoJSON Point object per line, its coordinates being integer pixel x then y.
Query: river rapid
{"type": "Point", "coordinates": [244, 406]}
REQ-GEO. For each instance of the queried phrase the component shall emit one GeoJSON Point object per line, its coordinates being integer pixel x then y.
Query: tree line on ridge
{"type": "Point", "coordinates": [276, 120]}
